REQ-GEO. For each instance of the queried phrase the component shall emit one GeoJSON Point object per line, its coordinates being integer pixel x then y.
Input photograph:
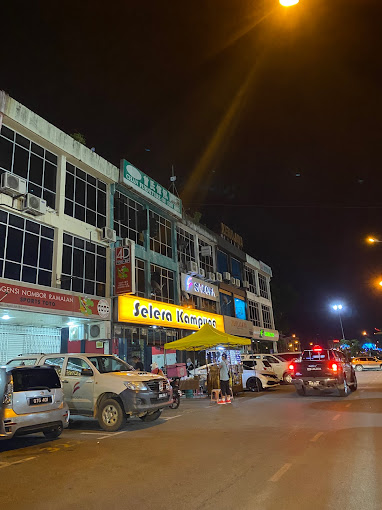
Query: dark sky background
{"type": "Point", "coordinates": [270, 116]}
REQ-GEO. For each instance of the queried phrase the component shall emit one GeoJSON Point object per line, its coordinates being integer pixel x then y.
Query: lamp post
{"type": "Point", "coordinates": [338, 309]}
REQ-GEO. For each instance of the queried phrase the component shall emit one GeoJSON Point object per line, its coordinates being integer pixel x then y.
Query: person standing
{"type": "Point", "coordinates": [138, 365]}
{"type": "Point", "coordinates": [224, 381]}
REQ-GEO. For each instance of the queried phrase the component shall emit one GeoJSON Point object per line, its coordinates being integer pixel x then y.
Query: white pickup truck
{"type": "Point", "coordinates": [105, 387]}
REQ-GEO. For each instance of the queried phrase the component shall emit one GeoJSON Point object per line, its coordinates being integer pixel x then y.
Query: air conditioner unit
{"type": "Point", "coordinates": [211, 276]}
{"type": "Point", "coordinates": [202, 273]}
{"type": "Point", "coordinates": [99, 331]}
{"type": "Point", "coordinates": [192, 267]}
{"type": "Point", "coordinates": [219, 277]}
{"type": "Point", "coordinates": [227, 276]}
{"type": "Point", "coordinates": [34, 205]}
{"type": "Point", "coordinates": [109, 235]}
{"type": "Point", "coordinates": [238, 282]}
{"type": "Point", "coordinates": [246, 284]}
{"type": "Point", "coordinates": [12, 184]}
{"type": "Point", "coordinates": [233, 280]}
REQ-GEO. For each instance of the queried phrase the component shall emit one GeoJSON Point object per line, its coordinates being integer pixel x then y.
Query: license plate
{"type": "Point", "coordinates": [35, 401]}
{"type": "Point", "coordinates": [314, 383]}
{"type": "Point", "coordinates": [162, 395]}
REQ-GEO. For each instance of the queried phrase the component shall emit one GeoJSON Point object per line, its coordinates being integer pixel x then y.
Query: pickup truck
{"type": "Point", "coordinates": [322, 369]}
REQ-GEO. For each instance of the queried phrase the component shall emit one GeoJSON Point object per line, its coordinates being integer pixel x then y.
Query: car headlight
{"type": "Point", "coordinates": [168, 385]}
{"type": "Point", "coordinates": [135, 385]}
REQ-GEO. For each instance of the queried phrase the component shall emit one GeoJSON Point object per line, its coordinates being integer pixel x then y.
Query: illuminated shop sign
{"type": "Point", "coordinates": [198, 287]}
{"type": "Point", "coordinates": [143, 311]}
{"type": "Point", "coordinates": [266, 334]}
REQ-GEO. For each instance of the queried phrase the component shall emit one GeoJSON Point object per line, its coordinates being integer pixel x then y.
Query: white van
{"type": "Point", "coordinates": [105, 387]}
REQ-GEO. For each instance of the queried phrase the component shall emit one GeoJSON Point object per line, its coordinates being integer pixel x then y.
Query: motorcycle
{"type": "Point", "coordinates": [176, 393]}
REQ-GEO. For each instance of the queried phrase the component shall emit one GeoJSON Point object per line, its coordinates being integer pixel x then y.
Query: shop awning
{"type": "Point", "coordinates": [206, 338]}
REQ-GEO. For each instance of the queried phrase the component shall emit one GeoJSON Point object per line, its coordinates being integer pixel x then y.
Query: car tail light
{"type": "Point", "coordinates": [334, 367]}
{"type": "Point", "coordinates": [317, 348]}
{"type": "Point", "coordinates": [291, 367]}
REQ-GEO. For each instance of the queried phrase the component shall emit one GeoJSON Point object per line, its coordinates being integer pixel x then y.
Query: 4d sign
{"type": "Point", "coordinates": [125, 269]}
{"type": "Point", "coordinates": [144, 185]}
{"type": "Point", "coordinates": [143, 311]}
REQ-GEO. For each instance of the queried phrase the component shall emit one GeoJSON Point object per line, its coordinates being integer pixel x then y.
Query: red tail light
{"type": "Point", "coordinates": [317, 348]}
{"type": "Point", "coordinates": [291, 367]}
{"type": "Point", "coordinates": [334, 367]}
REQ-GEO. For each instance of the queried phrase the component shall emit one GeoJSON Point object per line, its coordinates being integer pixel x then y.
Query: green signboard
{"type": "Point", "coordinates": [144, 185]}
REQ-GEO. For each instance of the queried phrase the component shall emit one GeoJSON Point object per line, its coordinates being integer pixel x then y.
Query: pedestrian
{"type": "Point", "coordinates": [225, 391]}
{"type": "Point", "coordinates": [138, 365]}
{"type": "Point", "coordinates": [156, 370]}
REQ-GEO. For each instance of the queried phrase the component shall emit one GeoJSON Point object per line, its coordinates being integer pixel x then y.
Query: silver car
{"type": "Point", "coordinates": [31, 400]}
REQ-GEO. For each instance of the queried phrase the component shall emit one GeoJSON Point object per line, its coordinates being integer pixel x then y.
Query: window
{"type": "Point", "coordinates": [254, 312]}
{"type": "Point", "coordinates": [160, 234]}
{"type": "Point", "coordinates": [83, 266]}
{"type": "Point", "coordinates": [30, 362]}
{"type": "Point", "coordinates": [30, 161]}
{"type": "Point", "coordinates": [57, 363]}
{"type": "Point", "coordinates": [263, 284]}
{"type": "Point", "coordinates": [249, 364]}
{"type": "Point", "coordinates": [267, 317]}
{"type": "Point", "coordinates": [107, 364]}
{"type": "Point", "coordinates": [206, 261]}
{"type": "Point", "coordinates": [75, 366]}
{"type": "Point", "coordinates": [271, 359]}
{"type": "Point", "coordinates": [162, 284]}
{"type": "Point", "coordinates": [186, 248]}
{"type": "Point", "coordinates": [222, 261]}
{"type": "Point", "coordinates": [240, 312]}
{"type": "Point", "coordinates": [207, 305]}
{"type": "Point", "coordinates": [129, 218]}
{"type": "Point", "coordinates": [250, 277]}
{"type": "Point", "coordinates": [226, 304]}
{"type": "Point", "coordinates": [26, 379]}
{"type": "Point", "coordinates": [140, 277]}
{"type": "Point", "coordinates": [85, 197]}
{"type": "Point", "coordinates": [26, 250]}
{"type": "Point", "coordinates": [236, 269]}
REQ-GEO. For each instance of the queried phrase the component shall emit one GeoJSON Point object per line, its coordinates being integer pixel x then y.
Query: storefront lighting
{"type": "Point", "coordinates": [71, 323]}
{"type": "Point", "coordinates": [6, 317]}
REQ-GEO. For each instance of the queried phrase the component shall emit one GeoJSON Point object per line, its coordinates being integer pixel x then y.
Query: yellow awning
{"type": "Point", "coordinates": [207, 338]}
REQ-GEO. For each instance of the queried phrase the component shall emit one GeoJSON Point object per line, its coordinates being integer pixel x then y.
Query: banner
{"type": "Point", "coordinates": [125, 269]}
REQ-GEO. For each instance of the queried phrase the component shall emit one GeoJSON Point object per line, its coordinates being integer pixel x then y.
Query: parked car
{"type": "Point", "coordinates": [279, 366]}
{"type": "Point", "coordinates": [288, 356]}
{"type": "Point", "coordinates": [323, 369]}
{"type": "Point", "coordinates": [366, 363]}
{"type": "Point", "coordinates": [105, 387]}
{"type": "Point", "coordinates": [31, 400]}
{"type": "Point", "coordinates": [258, 374]}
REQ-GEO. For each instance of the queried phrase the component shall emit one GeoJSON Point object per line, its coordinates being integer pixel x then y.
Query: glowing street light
{"type": "Point", "coordinates": [364, 333]}
{"type": "Point", "coordinates": [338, 309]}
{"type": "Point", "coordinates": [372, 240]}
{"type": "Point", "coordinates": [288, 3]}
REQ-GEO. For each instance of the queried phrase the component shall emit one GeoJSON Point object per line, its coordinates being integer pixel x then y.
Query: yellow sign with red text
{"type": "Point", "coordinates": [156, 313]}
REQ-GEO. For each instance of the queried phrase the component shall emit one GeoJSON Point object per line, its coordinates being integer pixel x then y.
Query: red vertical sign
{"type": "Point", "coordinates": [125, 269]}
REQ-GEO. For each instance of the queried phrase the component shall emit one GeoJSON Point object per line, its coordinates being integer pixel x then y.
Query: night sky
{"type": "Point", "coordinates": [270, 116]}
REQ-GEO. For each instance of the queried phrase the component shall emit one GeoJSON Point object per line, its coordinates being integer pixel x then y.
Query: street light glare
{"type": "Point", "coordinates": [288, 3]}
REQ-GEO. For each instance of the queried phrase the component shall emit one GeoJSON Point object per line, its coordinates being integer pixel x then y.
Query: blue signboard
{"type": "Point", "coordinates": [240, 309]}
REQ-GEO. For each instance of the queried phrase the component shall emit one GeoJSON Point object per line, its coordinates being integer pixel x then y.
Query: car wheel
{"type": "Point", "coordinates": [151, 416]}
{"type": "Point", "coordinates": [287, 378]}
{"type": "Point", "coordinates": [354, 385]}
{"type": "Point", "coordinates": [301, 391]}
{"type": "Point", "coordinates": [344, 390]}
{"type": "Point", "coordinates": [110, 415]}
{"type": "Point", "coordinates": [53, 433]}
{"type": "Point", "coordinates": [254, 384]}
{"type": "Point", "coordinates": [359, 368]}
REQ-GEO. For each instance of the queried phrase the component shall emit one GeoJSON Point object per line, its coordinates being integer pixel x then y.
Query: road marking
{"type": "Point", "coordinates": [7, 464]}
{"type": "Point", "coordinates": [348, 405]}
{"type": "Point", "coordinates": [90, 433]}
{"type": "Point", "coordinates": [336, 417]}
{"type": "Point", "coordinates": [112, 435]}
{"type": "Point", "coordinates": [316, 437]}
{"type": "Point", "coordinates": [276, 477]}
{"type": "Point", "coordinates": [171, 417]}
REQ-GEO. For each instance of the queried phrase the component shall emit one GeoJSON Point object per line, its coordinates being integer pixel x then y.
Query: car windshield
{"type": "Point", "coordinates": [106, 364]}
{"type": "Point", "coordinates": [22, 362]}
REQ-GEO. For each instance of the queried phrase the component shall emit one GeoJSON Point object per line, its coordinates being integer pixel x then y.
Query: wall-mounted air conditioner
{"type": "Point", "coordinates": [109, 235]}
{"type": "Point", "coordinates": [202, 273]}
{"type": "Point", "coordinates": [233, 280]}
{"type": "Point", "coordinates": [13, 185]}
{"type": "Point", "coordinates": [219, 277]}
{"type": "Point", "coordinates": [99, 331]}
{"type": "Point", "coordinates": [246, 284]}
{"type": "Point", "coordinates": [192, 267]}
{"type": "Point", "coordinates": [238, 282]}
{"type": "Point", "coordinates": [227, 276]}
{"type": "Point", "coordinates": [211, 276]}
{"type": "Point", "coordinates": [34, 205]}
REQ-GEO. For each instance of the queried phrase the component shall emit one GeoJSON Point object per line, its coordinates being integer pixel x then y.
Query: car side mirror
{"type": "Point", "coordinates": [88, 372]}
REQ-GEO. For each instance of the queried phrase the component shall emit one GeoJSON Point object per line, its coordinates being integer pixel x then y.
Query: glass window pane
{"type": "Point", "coordinates": [31, 253]}
{"type": "Point", "coordinates": [69, 186]}
{"type": "Point", "coordinates": [89, 287]}
{"type": "Point", "coordinates": [14, 244]}
{"type": "Point", "coordinates": [21, 140]}
{"type": "Point", "coordinates": [101, 202]}
{"type": "Point", "coordinates": [67, 260]}
{"type": "Point", "coordinates": [69, 207]}
{"type": "Point", "coordinates": [81, 174]}
{"type": "Point", "coordinates": [2, 239]}
{"type": "Point", "coordinates": [50, 198]}
{"type": "Point", "coordinates": [51, 157]}
{"type": "Point", "coordinates": [37, 149]}
{"type": "Point", "coordinates": [16, 221]}
{"type": "Point", "coordinates": [77, 285]}
{"type": "Point", "coordinates": [79, 212]}
{"type": "Point", "coordinates": [45, 278]}
{"type": "Point", "coordinates": [46, 253]}
{"type": "Point", "coordinates": [20, 165]}
{"type": "Point", "coordinates": [79, 243]}
{"type": "Point", "coordinates": [35, 189]}
{"type": "Point", "coordinates": [32, 226]}
{"type": "Point", "coordinates": [91, 197]}
{"type": "Point", "coordinates": [12, 271]}
{"type": "Point", "coordinates": [80, 192]}
{"type": "Point", "coordinates": [50, 176]}
{"type": "Point", "coordinates": [91, 217]}
{"type": "Point", "coordinates": [6, 150]}
{"type": "Point", "coordinates": [8, 133]}
{"type": "Point", "coordinates": [68, 239]}
{"type": "Point", "coordinates": [36, 169]}
{"type": "Point", "coordinates": [47, 232]}
{"type": "Point", "coordinates": [29, 274]}
{"type": "Point", "coordinates": [90, 266]}
{"type": "Point", "coordinates": [101, 270]}
{"type": "Point", "coordinates": [78, 262]}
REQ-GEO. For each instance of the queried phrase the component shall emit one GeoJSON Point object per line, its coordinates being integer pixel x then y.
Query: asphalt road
{"type": "Point", "coordinates": [273, 450]}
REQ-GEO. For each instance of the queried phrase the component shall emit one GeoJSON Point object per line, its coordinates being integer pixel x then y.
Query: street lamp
{"type": "Point", "coordinates": [372, 240]}
{"type": "Point", "coordinates": [338, 309]}
{"type": "Point", "coordinates": [288, 3]}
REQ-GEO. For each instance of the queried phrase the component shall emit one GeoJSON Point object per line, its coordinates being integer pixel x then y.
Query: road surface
{"type": "Point", "coordinates": [267, 451]}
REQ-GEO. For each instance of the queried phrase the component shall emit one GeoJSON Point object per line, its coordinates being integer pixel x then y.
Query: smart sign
{"type": "Point", "coordinates": [144, 311]}
{"type": "Point", "coordinates": [198, 287]}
